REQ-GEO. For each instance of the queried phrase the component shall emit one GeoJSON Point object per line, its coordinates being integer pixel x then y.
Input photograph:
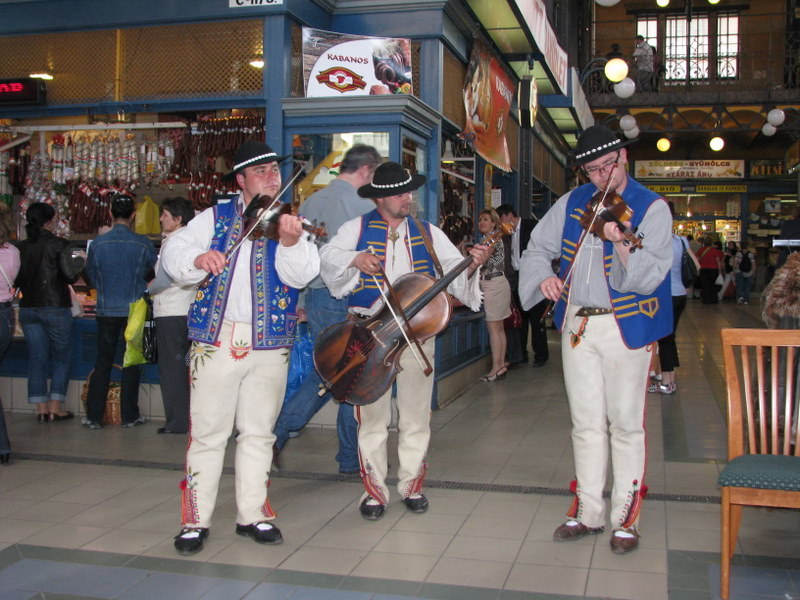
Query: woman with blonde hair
{"type": "Point", "coordinates": [496, 295]}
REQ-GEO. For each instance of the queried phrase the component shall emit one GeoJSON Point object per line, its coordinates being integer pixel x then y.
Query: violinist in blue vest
{"type": "Point", "coordinates": [389, 241]}
{"type": "Point", "coordinates": [612, 304]}
{"type": "Point", "coordinates": [242, 326]}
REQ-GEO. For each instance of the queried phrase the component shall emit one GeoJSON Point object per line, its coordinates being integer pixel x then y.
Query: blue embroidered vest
{"type": "Point", "coordinates": [642, 319]}
{"type": "Point", "coordinates": [374, 233]}
{"type": "Point", "coordinates": [274, 303]}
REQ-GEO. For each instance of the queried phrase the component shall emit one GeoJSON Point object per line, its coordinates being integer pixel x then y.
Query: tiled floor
{"type": "Point", "coordinates": [91, 514]}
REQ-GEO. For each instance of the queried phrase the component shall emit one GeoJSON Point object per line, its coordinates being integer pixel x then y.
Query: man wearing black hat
{"type": "Point", "coordinates": [611, 304]}
{"type": "Point", "coordinates": [388, 241]}
{"type": "Point", "coordinates": [242, 324]}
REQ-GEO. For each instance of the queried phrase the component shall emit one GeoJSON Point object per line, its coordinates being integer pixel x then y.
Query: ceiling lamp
{"type": "Point", "coordinates": [257, 62]}
{"type": "Point", "coordinates": [607, 2]}
{"type": "Point", "coordinates": [768, 129]}
{"type": "Point", "coordinates": [663, 144]}
{"type": "Point", "coordinates": [616, 70]}
{"type": "Point", "coordinates": [448, 157]}
{"type": "Point", "coordinates": [713, 1]}
{"type": "Point", "coordinates": [716, 143]}
{"type": "Point", "coordinates": [625, 88]}
{"type": "Point", "coordinates": [776, 117]}
{"type": "Point", "coordinates": [43, 75]}
{"type": "Point", "coordinates": [662, 3]}
{"type": "Point", "coordinates": [627, 122]}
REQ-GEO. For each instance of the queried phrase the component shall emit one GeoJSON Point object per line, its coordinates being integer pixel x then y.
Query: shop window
{"type": "Point", "coordinates": [457, 205]}
{"type": "Point", "coordinates": [323, 154]}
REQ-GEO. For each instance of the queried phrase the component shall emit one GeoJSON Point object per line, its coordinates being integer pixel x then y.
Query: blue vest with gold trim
{"type": "Point", "coordinates": [642, 319]}
{"type": "Point", "coordinates": [274, 303]}
{"type": "Point", "coordinates": [374, 233]}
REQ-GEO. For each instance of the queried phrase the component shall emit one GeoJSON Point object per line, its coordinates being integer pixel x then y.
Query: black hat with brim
{"type": "Point", "coordinates": [391, 179]}
{"type": "Point", "coordinates": [597, 141]}
{"type": "Point", "coordinates": [250, 154]}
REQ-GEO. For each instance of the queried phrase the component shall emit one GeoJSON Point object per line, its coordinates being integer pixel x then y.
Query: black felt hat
{"type": "Point", "coordinates": [391, 179]}
{"type": "Point", "coordinates": [597, 141]}
{"type": "Point", "coordinates": [250, 154]}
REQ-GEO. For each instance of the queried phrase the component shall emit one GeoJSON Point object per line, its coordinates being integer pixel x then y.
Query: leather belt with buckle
{"type": "Point", "coordinates": [590, 311]}
{"type": "Point", "coordinates": [492, 275]}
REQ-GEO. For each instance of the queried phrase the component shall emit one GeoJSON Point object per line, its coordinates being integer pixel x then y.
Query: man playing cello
{"type": "Point", "coordinates": [388, 241]}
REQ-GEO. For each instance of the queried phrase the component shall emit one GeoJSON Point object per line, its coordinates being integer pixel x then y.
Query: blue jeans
{"type": "Point", "coordinates": [109, 332]}
{"type": "Point", "coordinates": [47, 338]}
{"type": "Point", "coordinates": [322, 310]}
{"type": "Point", "coordinates": [743, 287]}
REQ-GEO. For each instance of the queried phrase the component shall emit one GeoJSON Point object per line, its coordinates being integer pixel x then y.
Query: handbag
{"type": "Point", "coordinates": [688, 268]}
{"type": "Point", "coordinates": [76, 307]}
{"type": "Point", "coordinates": [514, 320]}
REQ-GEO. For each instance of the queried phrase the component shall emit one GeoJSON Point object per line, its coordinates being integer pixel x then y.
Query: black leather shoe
{"type": "Point", "coordinates": [5, 458]}
{"type": "Point", "coordinates": [165, 430]}
{"type": "Point", "coordinates": [416, 505]}
{"type": "Point", "coordinates": [539, 363]}
{"type": "Point", "coordinates": [371, 512]}
{"type": "Point", "coordinates": [263, 532]}
{"type": "Point", "coordinates": [65, 417]}
{"type": "Point", "coordinates": [190, 540]}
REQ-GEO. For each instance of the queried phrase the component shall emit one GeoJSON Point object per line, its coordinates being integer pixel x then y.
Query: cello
{"type": "Point", "coordinates": [358, 359]}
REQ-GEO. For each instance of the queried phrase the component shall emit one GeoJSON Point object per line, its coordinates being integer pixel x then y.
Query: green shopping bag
{"type": "Point", "coordinates": [140, 334]}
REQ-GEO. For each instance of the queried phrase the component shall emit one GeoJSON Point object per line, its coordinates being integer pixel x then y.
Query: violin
{"type": "Point", "coordinates": [358, 360]}
{"type": "Point", "coordinates": [612, 209]}
{"type": "Point", "coordinates": [261, 219]}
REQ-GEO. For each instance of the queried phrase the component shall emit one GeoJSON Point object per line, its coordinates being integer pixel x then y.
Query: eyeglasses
{"type": "Point", "coordinates": [604, 167]}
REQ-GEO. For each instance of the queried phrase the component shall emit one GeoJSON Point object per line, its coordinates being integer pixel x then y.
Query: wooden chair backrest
{"type": "Point", "coordinates": [761, 375]}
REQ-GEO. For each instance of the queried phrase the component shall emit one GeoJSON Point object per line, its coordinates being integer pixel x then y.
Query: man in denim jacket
{"type": "Point", "coordinates": [118, 266]}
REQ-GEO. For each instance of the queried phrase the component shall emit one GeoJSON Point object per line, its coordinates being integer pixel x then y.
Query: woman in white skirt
{"type": "Point", "coordinates": [496, 296]}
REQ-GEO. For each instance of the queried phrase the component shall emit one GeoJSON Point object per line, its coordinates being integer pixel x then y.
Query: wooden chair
{"type": "Point", "coordinates": [763, 469]}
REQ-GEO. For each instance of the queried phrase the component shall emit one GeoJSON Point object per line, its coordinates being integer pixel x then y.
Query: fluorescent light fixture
{"type": "Point", "coordinates": [257, 62]}
{"type": "Point", "coordinates": [43, 75]}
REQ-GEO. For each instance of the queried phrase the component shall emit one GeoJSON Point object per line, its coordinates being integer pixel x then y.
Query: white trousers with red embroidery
{"type": "Point", "coordinates": [414, 392]}
{"type": "Point", "coordinates": [232, 387]}
{"type": "Point", "coordinates": [606, 385]}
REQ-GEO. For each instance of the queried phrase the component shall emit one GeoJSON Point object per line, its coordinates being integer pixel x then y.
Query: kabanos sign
{"type": "Point", "coordinates": [339, 64]}
{"type": "Point", "coordinates": [25, 90]}
{"type": "Point", "coordinates": [341, 79]}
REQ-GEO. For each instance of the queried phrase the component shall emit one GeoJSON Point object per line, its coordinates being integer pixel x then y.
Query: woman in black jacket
{"type": "Point", "coordinates": [45, 310]}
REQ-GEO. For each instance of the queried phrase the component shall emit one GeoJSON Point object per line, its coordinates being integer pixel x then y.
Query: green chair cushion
{"type": "Point", "coordinates": [762, 471]}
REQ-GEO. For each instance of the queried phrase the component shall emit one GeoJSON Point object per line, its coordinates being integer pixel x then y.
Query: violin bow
{"type": "Point", "coordinates": [422, 361]}
{"type": "Point", "coordinates": [582, 238]}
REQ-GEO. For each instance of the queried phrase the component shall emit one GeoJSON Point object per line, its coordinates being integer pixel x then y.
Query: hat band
{"type": "Point", "coordinates": [244, 163]}
{"type": "Point", "coordinates": [386, 186]}
{"type": "Point", "coordinates": [598, 149]}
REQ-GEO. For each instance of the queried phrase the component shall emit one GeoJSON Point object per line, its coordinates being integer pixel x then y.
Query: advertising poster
{"type": "Point", "coordinates": [339, 64]}
{"type": "Point", "coordinates": [488, 94]}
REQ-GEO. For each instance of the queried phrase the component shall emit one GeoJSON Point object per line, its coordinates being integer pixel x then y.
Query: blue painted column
{"type": "Point", "coordinates": [277, 76]}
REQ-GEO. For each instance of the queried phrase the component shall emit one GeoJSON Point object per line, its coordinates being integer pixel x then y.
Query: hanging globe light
{"type": "Point", "coordinates": [616, 70]}
{"type": "Point", "coordinates": [713, 1]}
{"type": "Point", "coordinates": [632, 133]}
{"type": "Point", "coordinates": [663, 144]}
{"type": "Point", "coordinates": [768, 129]}
{"type": "Point", "coordinates": [716, 143]}
{"type": "Point", "coordinates": [776, 117]}
{"type": "Point", "coordinates": [662, 3]}
{"type": "Point", "coordinates": [627, 122]}
{"type": "Point", "coordinates": [607, 2]}
{"type": "Point", "coordinates": [625, 88]}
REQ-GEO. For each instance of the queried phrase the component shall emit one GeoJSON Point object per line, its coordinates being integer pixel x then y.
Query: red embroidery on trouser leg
{"type": "Point", "coordinates": [572, 513]}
